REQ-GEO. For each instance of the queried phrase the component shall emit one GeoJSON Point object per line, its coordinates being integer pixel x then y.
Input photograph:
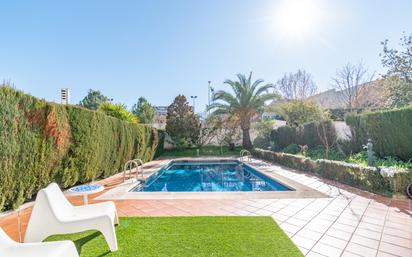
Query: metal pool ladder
{"type": "Point", "coordinates": [245, 153]}
{"type": "Point", "coordinates": [128, 166]}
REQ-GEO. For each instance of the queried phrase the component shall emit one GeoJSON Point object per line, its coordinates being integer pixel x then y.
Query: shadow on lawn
{"type": "Point", "coordinates": [84, 240]}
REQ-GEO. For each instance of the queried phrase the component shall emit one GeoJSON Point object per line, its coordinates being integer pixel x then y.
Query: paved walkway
{"type": "Point", "coordinates": [350, 222]}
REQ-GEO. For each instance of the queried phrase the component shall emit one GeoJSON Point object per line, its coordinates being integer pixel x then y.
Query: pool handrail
{"type": "Point", "coordinates": [245, 153]}
{"type": "Point", "coordinates": [139, 167]}
{"type": "Point", "coordinates": [128, 166]}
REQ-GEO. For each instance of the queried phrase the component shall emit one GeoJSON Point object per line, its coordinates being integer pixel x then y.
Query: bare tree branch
{"type": "Point", "coordinates": [350, 81]}
{"type": "Point", "coordinates": [297, 85]}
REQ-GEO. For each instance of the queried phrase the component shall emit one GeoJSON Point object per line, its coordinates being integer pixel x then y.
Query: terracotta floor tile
{"type": "Point", "coordinates": [251, 209]}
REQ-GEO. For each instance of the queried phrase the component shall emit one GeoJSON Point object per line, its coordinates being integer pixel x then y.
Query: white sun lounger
{"type": "Point", "coordinates": [53, 214]}
{"type": "Point", "coordinates": [10, 248]}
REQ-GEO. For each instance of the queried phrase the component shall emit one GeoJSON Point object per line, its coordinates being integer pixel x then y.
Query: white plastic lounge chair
{"type": "Point", "coordinates": [53, 214]}
{"type": "Point", "coordinates": [10, 248]}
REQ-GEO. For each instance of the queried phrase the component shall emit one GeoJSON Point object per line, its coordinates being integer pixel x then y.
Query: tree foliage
{"type": "Point", "coordinates": [119, 111]}
{"type": "Point", "coordinates": [182, 124]}
{"type": "Point", "coordinates": [93, 99]}
{"type": "Point", "coordinates": [297, 85]}
{"type": "Point", "coordinates": [264, 129]}
{"type": "Point", "coordinates": [399, 74]}
{"type": "Point", "coordinates": [299, 112]}
{"type": "Point", "coordinates": [247, 100]}
{"type": "Point", "coordinates": [144, 111]}
{"type": "Point", "coordinates": [228, 131]}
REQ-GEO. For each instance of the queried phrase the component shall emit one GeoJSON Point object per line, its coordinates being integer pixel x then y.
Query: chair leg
{"type": "Point", "coordinates": [116, 219]}
{"type": "Point", "coordinates": [109, 235]}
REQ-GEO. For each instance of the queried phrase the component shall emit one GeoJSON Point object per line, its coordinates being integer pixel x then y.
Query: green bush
{"type": "Point", "coordinates": [261, 142]}
{"type": "Point", "coordinates": [390, 131]}
{"type": "Point", "coordinates": [160, 148]}
{"type": "Point", "coordinates": [119, 111]}
{"type": "Point", "coordinates": [292, 149]}
{"type": "Point", "coordinates": [318, 152]}
{"type": "Point", "coordinates": [42, 142]}
{"type": "Point", "coordinates": [303, 135]}
{"type": "Point", "coordinates": [284, 136]}
{"type": "Point", "coordinates": [361, 158]}
{"type": "Point", "coordinates": [366, 178]}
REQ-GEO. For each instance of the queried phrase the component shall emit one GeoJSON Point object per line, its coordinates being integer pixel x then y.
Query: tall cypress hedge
{"type": "Point", "coordinates": [390, 131]}
{"type": "Point", "coordinates": [42, 142]}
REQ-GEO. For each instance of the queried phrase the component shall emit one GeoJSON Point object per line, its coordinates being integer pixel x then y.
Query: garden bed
{"type": "Point", "coordinates": [363, 177]}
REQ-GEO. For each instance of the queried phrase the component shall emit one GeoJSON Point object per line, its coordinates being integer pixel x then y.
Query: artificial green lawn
{"type": "Point", "coordinates": [189, 236]}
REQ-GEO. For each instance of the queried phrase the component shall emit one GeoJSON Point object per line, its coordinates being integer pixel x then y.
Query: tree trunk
{"type": "Point", "coordinates": [246, 144]}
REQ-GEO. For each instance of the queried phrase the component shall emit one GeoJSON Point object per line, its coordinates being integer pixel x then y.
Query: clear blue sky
{"type": "Point", "coordinates": [159, 49]}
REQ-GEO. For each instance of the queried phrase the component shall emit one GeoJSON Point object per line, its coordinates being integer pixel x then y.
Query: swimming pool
{"type": "Point", "coordinates": [209, 176]}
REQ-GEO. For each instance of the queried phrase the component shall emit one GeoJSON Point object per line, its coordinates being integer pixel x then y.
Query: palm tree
{"type": "Point", "coordinates": [248, 99]}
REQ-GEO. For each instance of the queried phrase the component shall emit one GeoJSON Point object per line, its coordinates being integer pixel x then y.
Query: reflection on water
{"type": "Point", "coordinates": [209, 178]}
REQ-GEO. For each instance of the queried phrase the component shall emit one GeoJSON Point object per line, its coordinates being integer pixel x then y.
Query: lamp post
{"type": "Point", "coordinates": [194, 101]}
{"type": "Point", "coordinates": [208, 96]}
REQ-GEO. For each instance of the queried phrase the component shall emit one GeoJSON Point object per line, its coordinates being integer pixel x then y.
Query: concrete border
{"type": "Point", "coordinates": [122, 192]}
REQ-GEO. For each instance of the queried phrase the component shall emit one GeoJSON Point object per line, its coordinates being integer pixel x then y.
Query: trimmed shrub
{"type": "Point", "coordinates": [261, 142]}
{"type": "Point", "coordinates": [366, 178]}
{"type": "Point", "coordinates": [390, 131]}
{"type": "Point", "coordinates": [284, 136]}
{"type": "Point", "coordinates": [292, 149]}
{"type": "Point", "coordinates": [339, 114]}
{"type": "Point", "coordinates": [42, 142]}
{"type": "Point", "coordinates": [303, 135]}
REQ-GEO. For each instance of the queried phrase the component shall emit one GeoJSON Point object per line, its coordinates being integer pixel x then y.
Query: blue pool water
{"type": "Point", "coordinates": [209, 177]}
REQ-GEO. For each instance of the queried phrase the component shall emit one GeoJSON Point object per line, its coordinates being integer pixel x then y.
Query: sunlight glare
{"type": "Point", "coordinates": [297, 18]}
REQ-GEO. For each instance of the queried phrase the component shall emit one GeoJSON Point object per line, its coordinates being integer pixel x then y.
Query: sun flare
{"type": "Point", "coordinates": [297, 18]}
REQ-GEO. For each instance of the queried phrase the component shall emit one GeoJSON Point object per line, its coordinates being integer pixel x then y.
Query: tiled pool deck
{"type": "Point", "coordinates": [349, 222]}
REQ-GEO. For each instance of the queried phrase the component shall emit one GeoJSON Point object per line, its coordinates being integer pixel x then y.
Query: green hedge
{"type": "Point", "coordinates": [304, 135]}
{"type": "Point", "coordinates": [366, 178]}
{"type": "Point", "coordinates": [42, 142]}
{"type": "Point", "coordinates": [161, 145]}
{"type": "Point", "coordinates": [390, 131]}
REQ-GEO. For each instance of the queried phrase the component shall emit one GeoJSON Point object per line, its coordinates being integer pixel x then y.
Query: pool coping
{"type": "Point", "coordinates": [122, 191]}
